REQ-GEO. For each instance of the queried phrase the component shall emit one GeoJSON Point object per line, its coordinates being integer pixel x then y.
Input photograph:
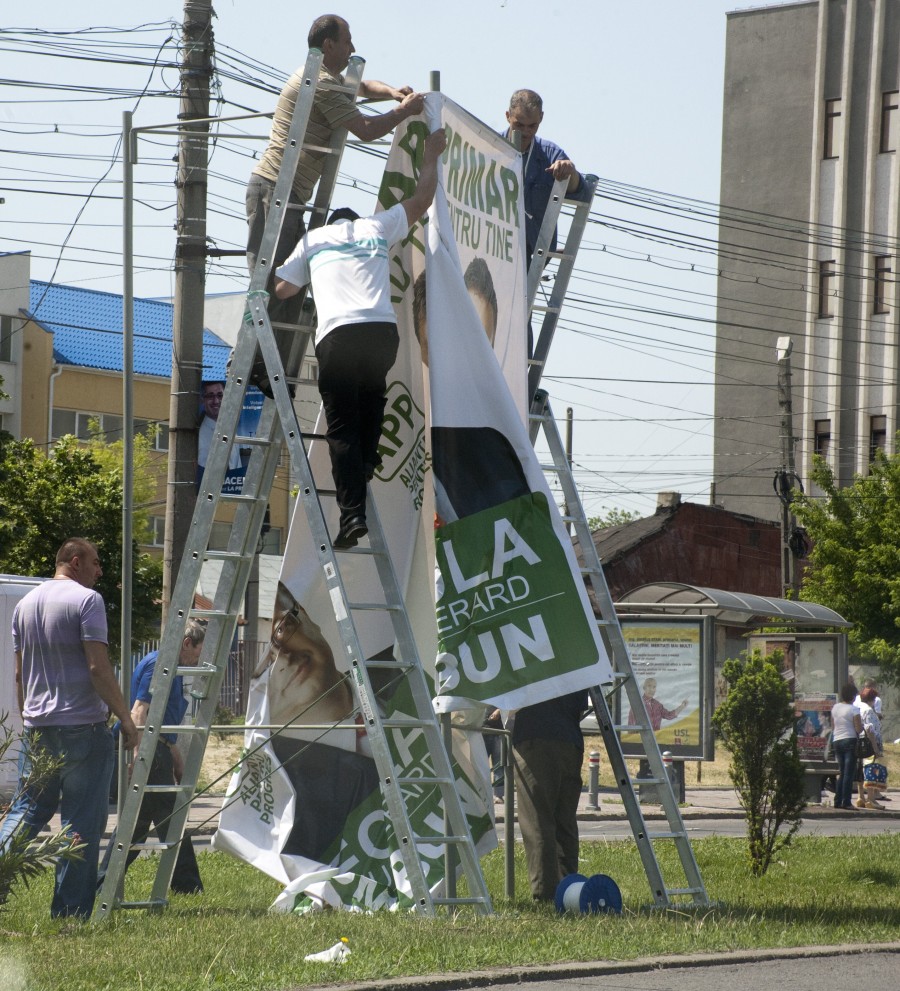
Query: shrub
{"type": "Point", "coordinates": [756, 723]}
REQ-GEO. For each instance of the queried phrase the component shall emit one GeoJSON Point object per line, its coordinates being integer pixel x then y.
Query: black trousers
{"type": "Point", "coordinates": [353, 364]}
{"type": "Point", "coordinates": [156, 810]}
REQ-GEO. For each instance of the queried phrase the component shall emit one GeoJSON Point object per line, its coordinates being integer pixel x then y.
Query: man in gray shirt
{"type": "Point", "coordinates": [66, 687]}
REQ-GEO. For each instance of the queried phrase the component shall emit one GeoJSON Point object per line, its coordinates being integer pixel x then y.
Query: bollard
{"type": "Point", "coordinates": [675, 773]}
{"type": "Point", "coordinates": [593, 799]}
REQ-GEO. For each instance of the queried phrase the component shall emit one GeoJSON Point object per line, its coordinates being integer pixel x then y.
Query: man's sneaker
{"type": "Point", "coordinates": [350, 532]}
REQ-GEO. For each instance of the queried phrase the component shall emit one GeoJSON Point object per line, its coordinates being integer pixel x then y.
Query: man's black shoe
{"type": "Point", "coordinates": [350, 532]}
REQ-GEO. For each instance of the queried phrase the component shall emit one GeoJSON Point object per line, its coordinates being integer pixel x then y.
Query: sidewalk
{"type": "Point", "coordinates": [700, 803]}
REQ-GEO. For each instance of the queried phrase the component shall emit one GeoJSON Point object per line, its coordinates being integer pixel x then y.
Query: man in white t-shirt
{"type": "Point", "coordinates": [356, 339]}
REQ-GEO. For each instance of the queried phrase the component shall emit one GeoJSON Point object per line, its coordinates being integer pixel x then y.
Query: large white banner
{"type": "Point", "coordinates": [305, 806]}
{"type": "Point", "coordinates": [514, 622]}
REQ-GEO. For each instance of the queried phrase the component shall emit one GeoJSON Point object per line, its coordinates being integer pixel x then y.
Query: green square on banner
{"type": "Point", "coordinates": [509, 612]}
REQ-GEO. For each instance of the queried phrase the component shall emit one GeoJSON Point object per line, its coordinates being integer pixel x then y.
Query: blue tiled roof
{"type": "Point", "coordinates": [87, 331]}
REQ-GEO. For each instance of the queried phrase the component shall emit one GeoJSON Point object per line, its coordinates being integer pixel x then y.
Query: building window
{"type": "Point", "coordinates": [822, 438]}
{"type": "Point", "coordinates": [6, 335]}
{"type": "Point", "coordinates": [877, 436]}
{"type": "Point", "coordinates": [833, 129]}
{"type": "Point", "coordinates": [157, 531]}
{"type": "Point", "coordinates": [827, 279]}
{"type": "Point", "coordinates": [883, 282]}
{"type": "Point", "coordinates": [68, 421]}
{"type": "Point", "coordinates": [889, 105]}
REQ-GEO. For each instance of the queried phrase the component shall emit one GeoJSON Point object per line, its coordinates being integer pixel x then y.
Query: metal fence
{"type": "Point", "coordinates": [243, 660]}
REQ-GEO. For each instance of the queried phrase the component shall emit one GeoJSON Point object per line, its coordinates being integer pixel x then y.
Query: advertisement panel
{"type": "Point", "coordinates": [672, 659]}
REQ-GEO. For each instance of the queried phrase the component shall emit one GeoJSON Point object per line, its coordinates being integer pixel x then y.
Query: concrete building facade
{"type": "Point", "coordinates": [809, 223]}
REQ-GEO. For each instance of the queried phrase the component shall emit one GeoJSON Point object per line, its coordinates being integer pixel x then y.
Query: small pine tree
{"type": "Point", "coordinates": [756, 723]}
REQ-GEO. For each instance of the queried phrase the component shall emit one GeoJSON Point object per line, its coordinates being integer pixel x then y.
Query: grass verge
{"type": "Point", "coordinates": [824, 891]}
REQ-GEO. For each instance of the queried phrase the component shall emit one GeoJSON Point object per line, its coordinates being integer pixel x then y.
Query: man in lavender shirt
{"type": "Point", "coordinates": [66, 687]}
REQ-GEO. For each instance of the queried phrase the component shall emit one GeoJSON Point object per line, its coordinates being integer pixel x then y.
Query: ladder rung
{"type": "Point", "coordinates": [373, 607]}
{"type": "Point", "coordinates": [629, 728]}
{"type": "Point", "coordinates": [685, 891]}
{"type": "Point", "coordinates": [152, 846]}
{"type": "Point", "coordinates": [440, 840]}
{"type": "Point", "coordinates": [239, 497]}
{"type": "Point", "coordinates": [150, 903]}
{"type": "Point", "coordinates": [321, 149]}
{"type": "Point", "coordinates": [299, 327]}
{"type": "Point", "coordinates": [459, 901]}
{"type": "Point", "coordinates": [542, 308]}
{"type": "Point", "coordinates": [227, 556]}
{"type": "Point", "coordinates": [559, 254]}
{"type": "Point", "coordinates": [196, 670]}
{"type": "Point", "coordinates": [666, 836]}
{"type": "Point", "coordinates": [169, 789]}
{"type": "Point", "coordinates": [255, 441]}
{"type": "Point", "coordinates": [648, 781]}
{"type": "Point", "coordinates": [424, 781]}
{"type": "Point", "coordinates": [212, 614]}
{"type": "Point", "coordinates": [400, 665]}
{"type": "Point", "coordinates": [404, 722]}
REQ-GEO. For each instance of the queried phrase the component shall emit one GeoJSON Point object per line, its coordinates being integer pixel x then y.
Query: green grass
{"type": "Point", "coordinates": [823, 891]}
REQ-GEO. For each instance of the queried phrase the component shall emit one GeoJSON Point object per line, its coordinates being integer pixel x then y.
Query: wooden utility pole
{"type": "Point", "coordinates": [190, 285]}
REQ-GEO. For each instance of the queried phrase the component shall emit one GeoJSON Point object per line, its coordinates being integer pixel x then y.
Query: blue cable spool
{"type": "Point", "coordinates": [589, 896]}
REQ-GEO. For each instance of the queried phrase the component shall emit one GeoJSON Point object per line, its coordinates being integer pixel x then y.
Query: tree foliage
{"type": "Point", "coordinates": [854, 566]}
{"type": "Point", "coordinates": [756, 722]}
{"type": "Point", "coordinates": [613, 517]}
{"type": "Point", "coordinates": [74, 491]}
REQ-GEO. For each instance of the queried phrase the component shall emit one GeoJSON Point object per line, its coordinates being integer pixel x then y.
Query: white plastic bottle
{"type": "Point", "coordinates": [334, 954]}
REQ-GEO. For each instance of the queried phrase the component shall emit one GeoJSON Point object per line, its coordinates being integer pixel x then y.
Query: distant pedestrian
{"type": "Point", "coordinates": [66, 687]}
{"type": "Point", "coordinates": [847, 726]}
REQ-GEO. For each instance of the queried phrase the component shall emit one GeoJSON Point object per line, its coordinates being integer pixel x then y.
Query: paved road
{"type": "Point", "coordinates": [801, 970]}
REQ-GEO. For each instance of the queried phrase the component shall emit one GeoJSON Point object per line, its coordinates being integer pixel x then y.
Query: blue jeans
{"type": "Point", "coordinates": [80, 790]}
{"type": "Point", "coordinates": [845, 755]}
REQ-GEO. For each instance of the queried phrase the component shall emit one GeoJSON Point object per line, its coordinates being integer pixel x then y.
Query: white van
{"type": "Point", "coordinates": [12, 588]}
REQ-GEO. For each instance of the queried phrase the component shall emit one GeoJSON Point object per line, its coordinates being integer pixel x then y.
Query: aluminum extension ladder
{"type": "Point", "coordinates": [542, 422]}
{"type": "Point", "coordinates": [552, 307]}
{"type": "Point", "coordinates": [279, 424]}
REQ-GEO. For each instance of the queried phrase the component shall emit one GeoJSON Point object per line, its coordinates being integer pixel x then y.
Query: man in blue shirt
{"type": "Point", "coordinates": [168, 763]}
{"type": "Point", "coordinates": [544, 163]}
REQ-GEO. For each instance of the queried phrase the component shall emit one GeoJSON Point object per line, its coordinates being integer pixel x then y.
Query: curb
{"type": "Point", "coordinates": [601, 968]}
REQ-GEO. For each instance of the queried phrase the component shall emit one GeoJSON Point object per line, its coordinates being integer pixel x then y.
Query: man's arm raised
{"type": "Point", "coordinates": [374, 89]}
{"type": "Point", "coordinates": [371, 128]}
{"type": "Point", "coordinates": [421, 199]}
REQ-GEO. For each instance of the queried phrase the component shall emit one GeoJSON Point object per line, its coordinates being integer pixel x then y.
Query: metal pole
{"type": "Point", "coordinates": [449, 851]}
{"type": "Point", "coordinates": [783, 349]}
{"type": "Point", "coordinates": [509, 816]}
{"type": "Point", "coordinates": [126, 665]}
{"type": "Point", "coordinates": [569, 425]}
{"type": "Point", "coordinates": [190, 286]}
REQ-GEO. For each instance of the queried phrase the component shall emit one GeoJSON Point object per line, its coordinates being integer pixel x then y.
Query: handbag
{"type": "Point", "coordinates": [864, 748]}
{"type": "Point", "coordinates": [875, 774]}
